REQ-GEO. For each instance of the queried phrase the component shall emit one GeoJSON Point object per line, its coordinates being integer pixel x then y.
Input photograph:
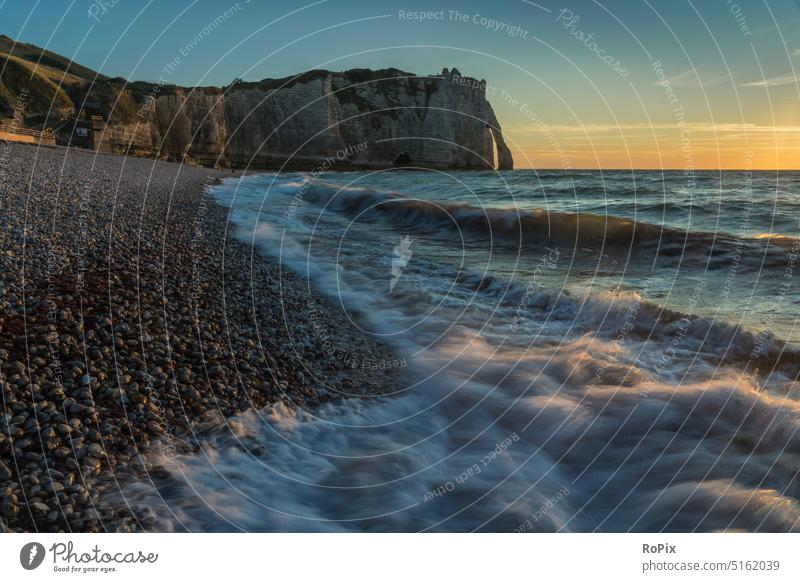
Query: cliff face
{"type": "Point", "coordinates": [358, 118]}
{"type": "Point", "coordinates": [369, 119]}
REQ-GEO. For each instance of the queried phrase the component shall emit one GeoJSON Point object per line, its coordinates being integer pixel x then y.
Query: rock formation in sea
{"type": "Point", "coordinates": [359, 118]}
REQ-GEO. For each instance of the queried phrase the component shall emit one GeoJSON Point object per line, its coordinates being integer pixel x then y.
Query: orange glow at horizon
{"type": "Point", "coordinates": [699, 146]}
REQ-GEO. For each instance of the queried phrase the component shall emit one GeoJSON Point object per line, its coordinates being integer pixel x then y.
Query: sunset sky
{"type": "Point", "coordinates": [579, 84]}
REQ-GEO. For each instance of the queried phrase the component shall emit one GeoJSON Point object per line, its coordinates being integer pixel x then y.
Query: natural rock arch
{"type": "Point", "coordinates": [403, 160]}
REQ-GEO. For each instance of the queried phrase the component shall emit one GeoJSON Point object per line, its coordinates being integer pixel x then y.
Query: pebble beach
{"type": "Point", "coordinates": [133, 319]}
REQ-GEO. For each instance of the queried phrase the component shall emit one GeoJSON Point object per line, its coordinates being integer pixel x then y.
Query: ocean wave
{"type": "Point", "coordinates": [632, 454]}
{"type": "Point", "coordinates": [627, 316]}
{"type": "Point", "coordinates": [521, 227]}
{"type": "Point", "coordinates": [600, 411]}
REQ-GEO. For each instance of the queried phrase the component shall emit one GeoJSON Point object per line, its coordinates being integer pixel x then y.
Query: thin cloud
{"type": "Point", "coordinates": [788, 79]}
{"type": "Point", "coordinates": [696, 79]}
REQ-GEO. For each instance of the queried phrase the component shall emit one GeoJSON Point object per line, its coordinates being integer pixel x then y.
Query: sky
{"type": "Point", "coordinates": [684, 84]}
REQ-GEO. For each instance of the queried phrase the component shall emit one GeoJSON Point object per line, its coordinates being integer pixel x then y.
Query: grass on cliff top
{"type": "Point", "coordinates": [351, 83]}
{"type": "Point", "coordinates": [35, 54]}
{"type": "Point", "coordinates": [354, 76]}
{"type": "Point", "coordinates": [33, 87]}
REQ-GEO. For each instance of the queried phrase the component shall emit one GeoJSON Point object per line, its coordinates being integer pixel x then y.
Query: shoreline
{"type": "Point", "coordinates": [131, 317]}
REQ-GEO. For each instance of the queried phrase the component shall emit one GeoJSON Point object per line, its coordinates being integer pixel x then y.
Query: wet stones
{"type": "Point", "coordinates": [129, 341]}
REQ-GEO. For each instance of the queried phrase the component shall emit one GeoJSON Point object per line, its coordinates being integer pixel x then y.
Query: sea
{"type": "Point", "coordinates": [575, 351]}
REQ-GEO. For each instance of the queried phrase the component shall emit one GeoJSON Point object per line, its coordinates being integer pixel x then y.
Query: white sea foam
{"type": "Point", "coordinates": [600, 411]}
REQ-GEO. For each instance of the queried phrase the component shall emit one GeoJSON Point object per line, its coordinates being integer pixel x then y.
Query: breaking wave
{"type": "Point", "coordinates": [523, 407]}
{"type": "Point", "coordinates": [521, 227]}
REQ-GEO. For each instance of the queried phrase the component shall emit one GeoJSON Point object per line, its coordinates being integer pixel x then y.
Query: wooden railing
{"type": "Point", "coordinates": [9, 131]}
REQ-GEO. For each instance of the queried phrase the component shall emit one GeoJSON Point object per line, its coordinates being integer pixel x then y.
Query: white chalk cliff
{"type": "Point", "coordinates": [378, 118]}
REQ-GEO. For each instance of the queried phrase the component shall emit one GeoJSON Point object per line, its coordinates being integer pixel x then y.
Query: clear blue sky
{"type": "Point", "coordinates": [729, 62]}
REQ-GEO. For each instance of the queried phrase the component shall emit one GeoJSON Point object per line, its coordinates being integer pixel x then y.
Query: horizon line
{"type": "Point", "coordinates": [653, 169]}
